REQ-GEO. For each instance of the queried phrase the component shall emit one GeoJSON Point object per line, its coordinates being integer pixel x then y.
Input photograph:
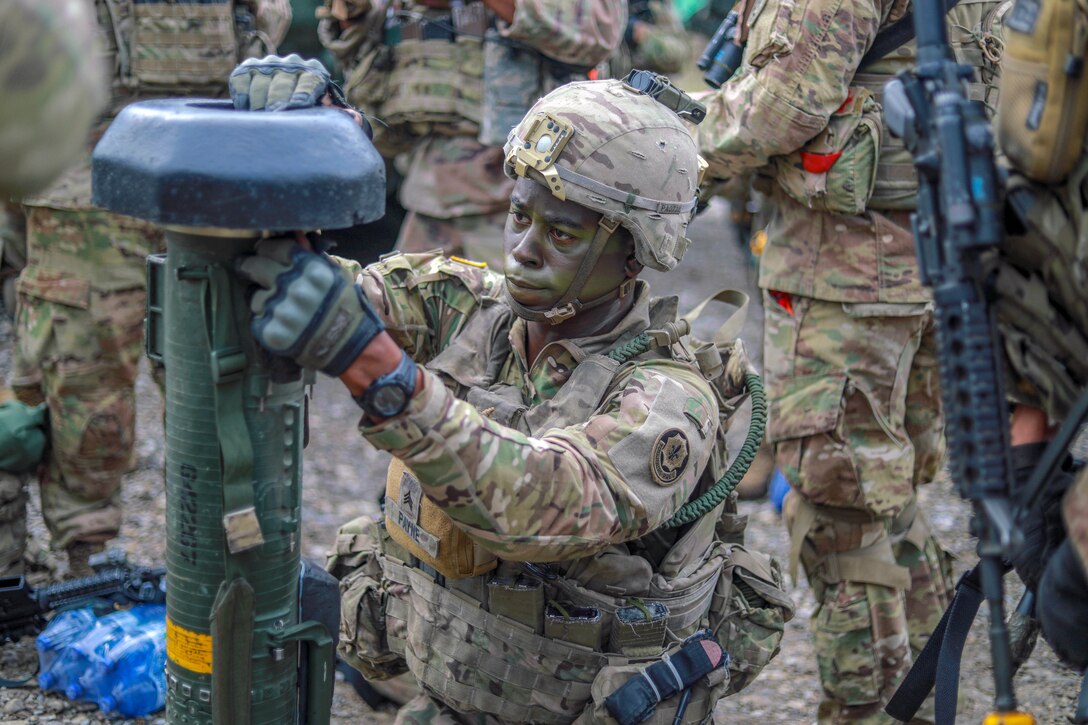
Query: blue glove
{"type": "Point", "coordinates": [276, 83]}
{"type": "Point", "coordinates": [307, 308]}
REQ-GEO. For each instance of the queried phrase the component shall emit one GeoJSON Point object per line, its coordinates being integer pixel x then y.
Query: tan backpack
{"type": "Point", "coordinates": [1043, 108]}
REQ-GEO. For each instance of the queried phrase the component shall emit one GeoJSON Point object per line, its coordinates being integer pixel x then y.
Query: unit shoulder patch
{"type": "Point", "coordinates": [669, 456]}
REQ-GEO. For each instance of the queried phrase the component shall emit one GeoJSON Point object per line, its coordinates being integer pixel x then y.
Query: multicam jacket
{"type": "Point", "coordinates": [552, 494]}
{"type": "Point", "coordinates": [800, 67]}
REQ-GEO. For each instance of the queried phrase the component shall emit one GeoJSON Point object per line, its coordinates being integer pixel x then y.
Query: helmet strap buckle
{"type": "Point", "coordinates": [559, 314]}
{"type": "Point", "coordinates": [627, 287]}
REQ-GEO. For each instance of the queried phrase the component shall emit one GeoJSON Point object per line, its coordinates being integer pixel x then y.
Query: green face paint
{"type": "Point", "coordinates": [545, 242]}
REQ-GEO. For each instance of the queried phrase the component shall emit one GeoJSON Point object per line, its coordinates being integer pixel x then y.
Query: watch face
{"type": "Point", "coordinates": [388, 400]}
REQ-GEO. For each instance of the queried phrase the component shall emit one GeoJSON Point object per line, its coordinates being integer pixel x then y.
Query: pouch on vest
{"type": "Point", "coordinates": [748, 613]}
{"type": "Point", "coordinates": [421, 527]}
{"type": "Point", "coordinates": [519, 599]}
{"type": "Point", "coordinates": [577, 625]}
{"type": "Point", "coordinates": [836, 171]}
{"type": "Point", "coordinates": [434, 87]}
{"type": "Point", "coordinates": [1042, 111]}
{"type": "Point", "coordinates": [182, 44]}
{"type": "Point", "coordinates": [365, 629]}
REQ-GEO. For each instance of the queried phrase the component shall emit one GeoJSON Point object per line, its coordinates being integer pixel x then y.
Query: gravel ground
{"type": "Point", "coordinates": [343, 476]}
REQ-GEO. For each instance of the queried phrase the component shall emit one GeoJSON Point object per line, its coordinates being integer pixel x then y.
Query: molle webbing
{"type": "Point", "coordinates": [448, 653]}
{"type": "Point", "coordinates": [183, 45]}
{"type": "Point", "coordinates": [434, 82]}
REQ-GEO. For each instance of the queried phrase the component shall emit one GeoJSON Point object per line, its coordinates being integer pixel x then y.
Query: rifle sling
{"type": "Point", "coordinates": [940, 657]}
{"type": "Point", "coordinates": [895, 36]}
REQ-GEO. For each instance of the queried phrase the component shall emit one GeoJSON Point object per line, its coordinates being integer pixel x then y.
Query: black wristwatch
{"type": "Point", "coordinates": [389, 395]}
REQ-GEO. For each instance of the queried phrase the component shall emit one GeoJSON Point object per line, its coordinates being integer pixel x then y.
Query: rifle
{"type": "Point", "coordinates": [23, 608]}
{"type": "Point", "coordinates": [957, 223]}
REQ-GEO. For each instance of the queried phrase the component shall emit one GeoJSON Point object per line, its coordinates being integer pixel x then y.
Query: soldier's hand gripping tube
{"type": "Point", "coordinates": [637, 698]}
{"type": "Point", "coordinates": [308, 308]}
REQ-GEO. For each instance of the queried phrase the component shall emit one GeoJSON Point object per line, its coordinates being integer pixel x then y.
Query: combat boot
{"type": "Point", "coordinates": [79, 554]}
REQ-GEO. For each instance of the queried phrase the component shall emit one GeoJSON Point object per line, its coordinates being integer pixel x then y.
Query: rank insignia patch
{"type": "Point", "coordinates": [669, 457]}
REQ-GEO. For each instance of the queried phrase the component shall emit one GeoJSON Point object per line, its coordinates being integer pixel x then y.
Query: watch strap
{"type": "Point", "coordinates": [402, 376]}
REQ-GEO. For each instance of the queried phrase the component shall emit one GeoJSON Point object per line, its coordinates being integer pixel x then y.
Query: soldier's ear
{"type": "Point", "coordinates": [632, 267]}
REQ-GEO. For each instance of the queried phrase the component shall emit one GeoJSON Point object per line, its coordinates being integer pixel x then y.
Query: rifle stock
{"type": "Point", "coordinates": [23, 608]}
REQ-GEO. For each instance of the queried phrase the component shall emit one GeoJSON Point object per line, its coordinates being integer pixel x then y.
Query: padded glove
{"type": "Point", "coordinates": [276, 83]}
{"type": "Point", "coordinates": [307, 308]}
{"type": "Point", "coordinates": [1043, 530]}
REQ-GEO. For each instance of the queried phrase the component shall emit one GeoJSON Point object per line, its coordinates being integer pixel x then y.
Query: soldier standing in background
{"type": "Point", "coordinates": [855, 413]}
{"type": "Point", "coordinates": [81, 300]}
{"type": "Point", "coordinates": [444, 82]}
{"type": "Point", "coordinates": [52, 87]}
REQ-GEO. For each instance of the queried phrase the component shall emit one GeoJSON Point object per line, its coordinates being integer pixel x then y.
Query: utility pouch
{"type": "Point", "coordinates": [426, 532]}
{"type": "Point", "coordinates": [748, 613]}
{"type": "Point", "coordinates": [518, 599]}
{"type": "Point", "coordinates": [639, 629]}
{"type": "Point", "coordinates": [836, 171]}
{"type": "Point", "coordinates": [512, 84]}
{"type": "Point", "coordinates": [577, 625]}
{"type": "Point", "coordinates": [1042, 110]}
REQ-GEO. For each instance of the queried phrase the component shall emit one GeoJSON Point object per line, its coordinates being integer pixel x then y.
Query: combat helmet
{"type": "Point", "coordinates": [620, 148]}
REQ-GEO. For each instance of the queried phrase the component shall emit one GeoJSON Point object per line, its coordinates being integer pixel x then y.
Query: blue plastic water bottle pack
{"type": "Point", "coordinates": [117, 661]}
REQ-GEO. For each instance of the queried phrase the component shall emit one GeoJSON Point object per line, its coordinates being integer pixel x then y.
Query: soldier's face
{"type": "Point", "coordinates": [544, 244]}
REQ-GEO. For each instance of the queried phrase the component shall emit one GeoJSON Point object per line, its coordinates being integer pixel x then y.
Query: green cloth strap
{"type": "Point", "coordinates": [228, 363]}
{"type": "Point", "coordinates": [730, 329]}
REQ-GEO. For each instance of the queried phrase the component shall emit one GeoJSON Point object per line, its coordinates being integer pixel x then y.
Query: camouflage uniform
{"type": "Point", "coordinates": [81, 297]}
{"type": "Point", "coordinates": [855, 414]}
{"type": "Point", "coordinates": [570, 460]}
{"type": "Point", "coordinates": [596, 475]}
{"type": "Point", "coordinates": [454, 187]}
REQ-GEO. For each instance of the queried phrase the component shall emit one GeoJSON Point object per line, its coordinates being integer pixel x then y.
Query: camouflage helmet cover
{"type": "Point", "coordinates": [616, 150]}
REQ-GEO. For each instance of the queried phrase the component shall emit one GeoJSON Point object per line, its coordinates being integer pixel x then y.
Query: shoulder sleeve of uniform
{"type": "Point", "coordinates": [799, 61]}
{"type": "Point", "coordinates": [579, 32]}
{"type": "Point", "coordinates": [659, 439]}
{"type": "Point", "coordinates": [425, 299]}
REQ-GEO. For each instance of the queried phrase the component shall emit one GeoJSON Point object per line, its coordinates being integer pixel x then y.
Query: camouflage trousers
{"type": "Point", "coordinates": [478, 238]}
{"type": "Point", "coordinates": [78, 347]}
{"type": "Point", "coordinates": [855, 418]}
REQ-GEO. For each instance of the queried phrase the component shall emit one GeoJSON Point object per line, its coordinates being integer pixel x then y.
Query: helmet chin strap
{"type": "Point", "coordinates": [569, 305]}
